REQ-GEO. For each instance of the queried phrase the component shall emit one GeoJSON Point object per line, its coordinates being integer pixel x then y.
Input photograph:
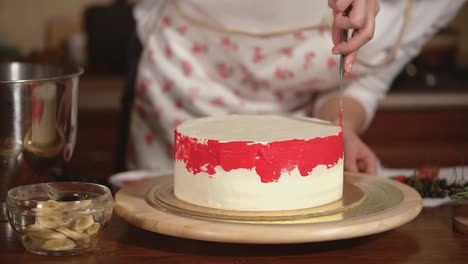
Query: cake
{"type": "Point", "coordinates": [258, 163]}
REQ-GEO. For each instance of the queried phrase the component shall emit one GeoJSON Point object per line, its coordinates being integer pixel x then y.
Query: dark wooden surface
{"type": "Point", "coordinates": [408, 138]}
{"type": "Point", "coordinates": [427, 239]}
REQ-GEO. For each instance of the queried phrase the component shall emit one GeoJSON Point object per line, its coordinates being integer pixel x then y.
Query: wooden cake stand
{"type": "Point", "coordinates": [370, 205]}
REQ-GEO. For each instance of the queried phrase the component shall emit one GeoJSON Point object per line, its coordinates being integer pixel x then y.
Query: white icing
{"type": "Point", "coordinates": [242, 189]}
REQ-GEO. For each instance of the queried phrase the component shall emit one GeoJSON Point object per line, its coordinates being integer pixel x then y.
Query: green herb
{"type": "Point", "coordinates": [460, 194]}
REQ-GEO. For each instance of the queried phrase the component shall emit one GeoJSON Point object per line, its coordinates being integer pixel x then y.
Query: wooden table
{"type": "Point", "coordinates": [427, 239]}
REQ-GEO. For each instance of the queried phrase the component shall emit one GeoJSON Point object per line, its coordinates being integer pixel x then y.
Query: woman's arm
{"type": "Point", "coordinates": [354, 115]}
{"type": "Point", "coordinates": [358, 156]}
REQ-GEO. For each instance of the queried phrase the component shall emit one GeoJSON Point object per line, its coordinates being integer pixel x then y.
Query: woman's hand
{"type": "Point", "coordinates": [358, 157]}
{"type": "Point", "coordinates": [360, 19]}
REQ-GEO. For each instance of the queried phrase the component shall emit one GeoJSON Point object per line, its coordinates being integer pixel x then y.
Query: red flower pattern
{"type": "Point", "coordinates": [168, 52]}
{"type": "Point", "coordinates": [224, 71]}
{"type": "Point", "coordinates": [182, 29]}
{"type": "Point", "coordinates": [198, 48]}
{"type": "Point", "coordinates": [283, 74]}
{"type": "Point", "coordinates": [165, 22]}
{"type": "Point", "coordinates": [228, 43]}
{"type": "Point", "coordinates": [308, 58]}
{"type": "Point", "coordinates": [279, 96]}
{"type": "Point", "coordinates": [332, 63]}
{"type": "Point", "coordinates": [167, 85]}
{"type": "Point", "coordinates": [187, 67]}
{"type": "Point", "coordinates": [143, 86]}
{"type": "Point", "coordinates": [178, 104]}
{"type": "Point", "coordinates": [246, 73]}
{"type": "Point", "coordinates": [288, 51]}
{"type": "Point", "coordinates": [218, 101]}
{"type": "Point", "coordinates": [149, 138]}
{"type": "Point", "coordinates": [257, 56]}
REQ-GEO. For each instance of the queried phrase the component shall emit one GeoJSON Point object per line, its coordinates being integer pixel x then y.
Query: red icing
{"type": "Point", "coordinates": [269, 160]}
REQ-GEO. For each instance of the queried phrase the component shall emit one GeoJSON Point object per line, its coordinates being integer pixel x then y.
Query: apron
{"type": "Point", "coordinates": [188, 70]}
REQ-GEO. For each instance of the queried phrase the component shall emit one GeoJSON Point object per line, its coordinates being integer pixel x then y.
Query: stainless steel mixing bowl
{"type": "Point", "coordinates": [38, 123]}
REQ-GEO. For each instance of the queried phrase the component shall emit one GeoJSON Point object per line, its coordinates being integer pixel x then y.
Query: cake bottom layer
{"type": "Point", "coordinates": [242, 189]}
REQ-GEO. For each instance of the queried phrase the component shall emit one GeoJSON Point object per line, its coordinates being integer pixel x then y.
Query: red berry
{"type": "Point", "coordinates": [428, 172]}
{"type": "Point", "coordinates": [401, 178]}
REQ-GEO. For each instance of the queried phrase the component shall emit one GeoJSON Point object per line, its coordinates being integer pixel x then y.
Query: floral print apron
{"type": "Point", "coordinates": [188, 71]}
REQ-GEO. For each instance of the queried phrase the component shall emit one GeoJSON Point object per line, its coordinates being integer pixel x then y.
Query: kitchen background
{"type": "Point", "coordinates": [423, 120]}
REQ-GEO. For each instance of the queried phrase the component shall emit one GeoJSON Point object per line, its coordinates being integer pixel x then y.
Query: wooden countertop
{"type": "Point", "coordinates": [427, 239]}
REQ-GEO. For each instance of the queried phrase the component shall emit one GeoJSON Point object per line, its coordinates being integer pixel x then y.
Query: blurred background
{"type": "Point", "coordinates": [423, 120]}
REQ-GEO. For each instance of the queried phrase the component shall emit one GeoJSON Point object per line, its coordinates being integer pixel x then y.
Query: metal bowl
{"type": "Point", "coordinates": [38, 123]}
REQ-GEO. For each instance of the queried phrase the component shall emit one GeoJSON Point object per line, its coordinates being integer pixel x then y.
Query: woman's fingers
{"type": "Point", "coordinates": [368, 164]}
{"type": "Point", "coordinates": [336, 36]}
{"type": "Point", "coordinates": [349, 61]}
{"type": "Point", "coordinates": [356, 17]}
{"type": "Point", "coordinates": [361, 20]}
{"type": "Point", "coordinates": [359, 38]}
{"type": "Point", "coordinates": [358, 156]}
{"type": "Point", "coordinates": [339, 5]}
{"type": "Point", "coordinates": [350, 164]}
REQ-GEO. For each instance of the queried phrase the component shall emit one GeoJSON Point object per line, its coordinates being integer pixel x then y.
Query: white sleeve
{"type": "Point", "coordinates": [371, 88]}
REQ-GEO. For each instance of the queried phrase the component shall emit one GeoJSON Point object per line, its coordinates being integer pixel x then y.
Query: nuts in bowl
{"type": "Point", "coordinates": [59, 218]}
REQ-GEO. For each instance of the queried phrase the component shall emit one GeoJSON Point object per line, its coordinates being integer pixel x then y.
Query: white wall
{"type": "Point", "coordinates": [22, 22]}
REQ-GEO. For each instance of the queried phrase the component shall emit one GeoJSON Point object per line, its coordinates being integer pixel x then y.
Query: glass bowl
{"type": "Point", "coordinates": [59, 218]}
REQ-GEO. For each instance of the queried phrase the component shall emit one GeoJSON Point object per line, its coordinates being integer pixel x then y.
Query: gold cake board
{"type": "Point", "coordinates": [162, 197]}
{"type": "Point", "coordinates": [384, 205]}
